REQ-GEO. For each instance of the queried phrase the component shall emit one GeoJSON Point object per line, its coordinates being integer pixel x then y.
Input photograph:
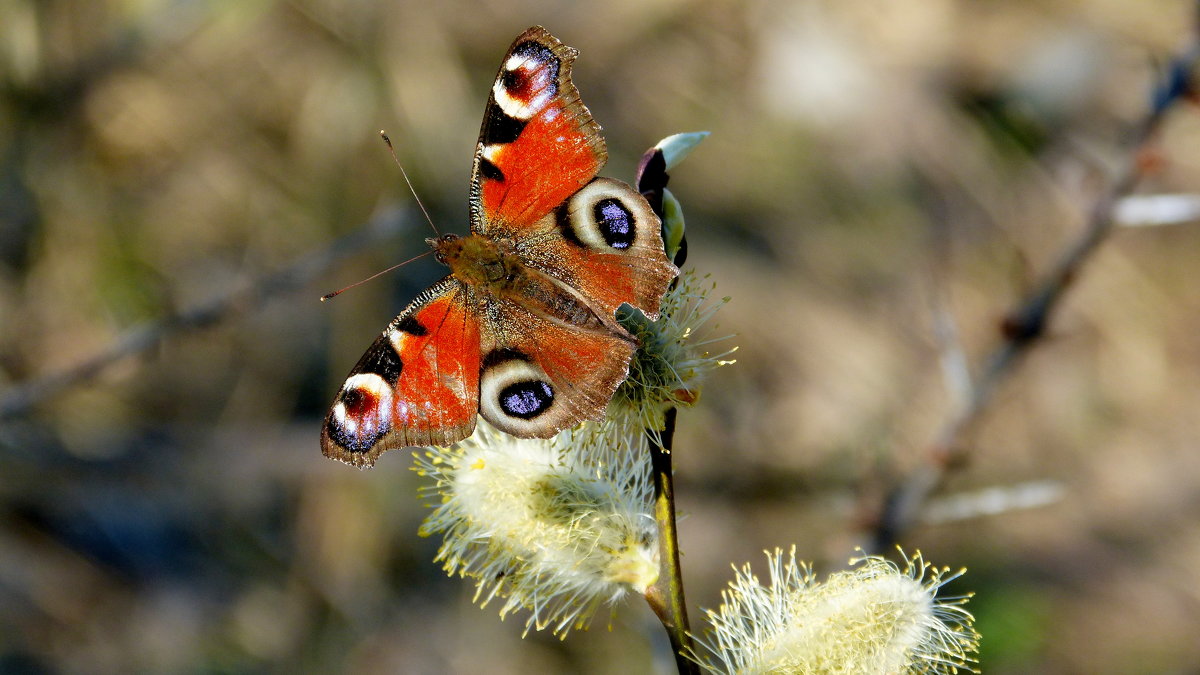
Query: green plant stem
{"type": "Point", "coordinates": [666, 596]}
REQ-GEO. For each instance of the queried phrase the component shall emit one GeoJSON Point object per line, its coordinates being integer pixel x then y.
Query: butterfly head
{"type": "Point", "coordinates": [446, 247]}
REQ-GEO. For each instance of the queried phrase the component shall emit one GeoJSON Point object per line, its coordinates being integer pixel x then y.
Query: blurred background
{"type": "Point", "coordinates": [875, 167]}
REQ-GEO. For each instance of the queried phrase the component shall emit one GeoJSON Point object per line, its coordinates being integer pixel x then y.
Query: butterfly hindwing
{"type": "Point", "coordinates": [539, 376]}
{"type": "Point", "coordinates": [418, 383]}
{"type": "Point", "coordinates": [538, 145]}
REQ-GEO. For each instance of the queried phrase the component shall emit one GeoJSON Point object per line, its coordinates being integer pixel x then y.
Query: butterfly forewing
{"type": "Point", "coordinates": [538, 145]}
{"type": "Point", "coordinates": [418, 383]}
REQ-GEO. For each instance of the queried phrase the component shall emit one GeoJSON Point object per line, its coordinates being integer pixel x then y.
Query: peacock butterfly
{"type": "Point", "coordinates": [522, 331]}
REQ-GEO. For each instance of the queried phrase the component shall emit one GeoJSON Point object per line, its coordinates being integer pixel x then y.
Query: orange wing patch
{"type": "Point", "coordinates": [547, 163]}
{"type": "Point", "coordinates": [609, 279]}
{"type": "Point", "coordinates": [437, 396]}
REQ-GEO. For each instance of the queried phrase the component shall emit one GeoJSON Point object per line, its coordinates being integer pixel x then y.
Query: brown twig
{"type": "Point", "coordinates": [1026, 325]}
{"type": "Point", "coordinates": [21, 398]}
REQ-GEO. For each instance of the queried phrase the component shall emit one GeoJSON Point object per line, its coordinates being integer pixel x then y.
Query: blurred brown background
{"type": "Point", "coordinates": [873, 163]}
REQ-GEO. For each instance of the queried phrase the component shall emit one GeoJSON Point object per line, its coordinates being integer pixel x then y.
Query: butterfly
{"type": "Point", "coordinates": [522, 331]}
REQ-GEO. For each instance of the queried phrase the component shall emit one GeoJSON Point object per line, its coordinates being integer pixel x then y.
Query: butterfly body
{"type": "Point", "coordinates": [496, 272]}
{"type": "Point", "coordinates": [522, 330]}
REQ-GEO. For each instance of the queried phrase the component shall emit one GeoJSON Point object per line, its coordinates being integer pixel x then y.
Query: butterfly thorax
{"type": "Point", "coordinates": [478, 261]}
{"type": "Point", "coordinates": [496, 271]}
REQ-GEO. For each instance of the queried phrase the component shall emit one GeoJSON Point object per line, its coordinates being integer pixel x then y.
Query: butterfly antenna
{"type": "Point", "coordinates": [359, 283]}
{"type": "Point", "coordinates": [406, 180]}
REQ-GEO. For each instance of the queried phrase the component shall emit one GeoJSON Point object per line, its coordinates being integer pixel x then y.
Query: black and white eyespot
{"type": "Point", "coordinates": [516, 396]}
{"type": "Point", "coordinates": [528, 81]}
{"type": "Point", "coordinates": [362, 413]}
{"type": "Point", "coordinates": [607, 215]}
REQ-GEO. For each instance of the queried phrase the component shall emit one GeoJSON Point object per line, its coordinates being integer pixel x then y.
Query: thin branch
{"type": "Point", "coordinates": [21, 398]}
{"type": "Point", "coordinates": [1026, 325]}
{"type": "Point", "coordinates": [956, 371]}
{"type": "Point", "coordinates": [992, 501]}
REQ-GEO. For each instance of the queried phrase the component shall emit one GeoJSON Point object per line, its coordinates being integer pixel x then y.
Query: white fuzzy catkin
{"type": "Point", "coordinates": [872, 618]}
{"type": "Point", "coordinates": [558, 527]}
